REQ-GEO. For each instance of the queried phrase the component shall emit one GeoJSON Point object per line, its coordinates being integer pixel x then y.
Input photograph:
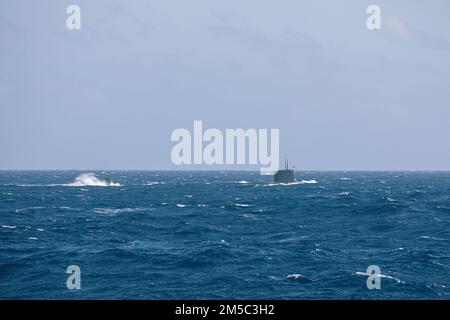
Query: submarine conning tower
{"type": "Point", "coordinates": [285, 176]}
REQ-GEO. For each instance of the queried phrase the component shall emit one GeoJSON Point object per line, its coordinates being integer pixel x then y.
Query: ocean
{"type": "Point", "coordinates": [224, 235]}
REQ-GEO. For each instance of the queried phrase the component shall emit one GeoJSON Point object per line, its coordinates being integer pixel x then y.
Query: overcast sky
{"type": "Point", "coordinates": [109, 95]}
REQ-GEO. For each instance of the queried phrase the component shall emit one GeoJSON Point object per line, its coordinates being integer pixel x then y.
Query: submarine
{"type": "Point", "coordinates": [286, 175]}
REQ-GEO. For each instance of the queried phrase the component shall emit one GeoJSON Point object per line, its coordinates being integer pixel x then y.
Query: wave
{"type": "Point", "coordinates": [89, 179]}
{"type": "Point", "coordinates": [291, 183]}
{"type": "Point", "coordinates": [85, 179]}
{"type": "Point", "coordinates": [28, 208]}
{"type": "Point", "coordinates": [308, 182]}
{"type": "Point", "coordinates": [250, 216]}
{"type": "Point", "coordinates": [365, 274]}
{"type": "Point", "coordinates": [242, 205]}
{"type": "Point", "coordinates": [431, 238]}
{"type": "Point", "coordinates": [295, 276]}
{"type": "Point", "coordinates": [281, 184]}
{"type": "Point", "coordinates": [152, 183]}
{"type": "Point", "coordinates": [299, 278]}
{"type": "Point", "coordinates": [113, 211]}
{"type": "Point", "coordinates": [37, 185]}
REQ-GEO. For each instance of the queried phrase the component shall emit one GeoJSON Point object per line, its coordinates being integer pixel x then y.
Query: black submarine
{"type": "Point", "coordinates": [286, 175]}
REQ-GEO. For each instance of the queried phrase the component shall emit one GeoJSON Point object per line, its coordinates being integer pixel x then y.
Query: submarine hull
{"type": "Point", "coordinates": [284, 176]}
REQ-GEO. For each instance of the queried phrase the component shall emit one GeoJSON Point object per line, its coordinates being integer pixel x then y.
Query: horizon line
{"type": "Point", "coordinates": [240, 170]}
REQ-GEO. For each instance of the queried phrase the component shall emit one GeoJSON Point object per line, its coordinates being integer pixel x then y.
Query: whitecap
{"type": "Point", "coordinates": [282, 184]}
{"type": "Point", "coordinates": [181, 205]}
{"type": "Point", "coordinates": [295, 276]}
{"type": "Point", "coordinates": [291, 183]}
{"type": "Point", "coordinates": [152, 183]}
{"type": "Point", "coordinates": [242, 205]}
{"type": "Point", "coordinates": [391, 278]}
{"type": "Point", "coordinates": [8, 227]}
{"type": "Point", "coordinates": [116, 210]}
{"type": "Point", "coordinates": [359, 273]}
{"type": "Point", "coordinates": [28, 208]}
{"type": "Point", "coordinates": [298, 277]}
{"type": "Point", "coordinates": [270, 185]}
{"type": "Point", "coordinates": [243, 182]}
{"type": "Point", "coordinates": [431, 238]}
{"type": "Point", "coordinates": [89, 179]}
{"type": "Point", "coordinates": [308, 182]}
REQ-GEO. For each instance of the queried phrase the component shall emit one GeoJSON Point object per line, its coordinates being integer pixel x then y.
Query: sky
{"type": "Point", "coordinates": [108, 96]}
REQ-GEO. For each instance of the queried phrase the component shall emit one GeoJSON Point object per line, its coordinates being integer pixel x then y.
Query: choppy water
{"type": "Point", "coordinates": [194, 235]}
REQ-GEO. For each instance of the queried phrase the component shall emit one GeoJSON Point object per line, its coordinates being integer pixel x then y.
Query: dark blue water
{"type": "Point", "coordinates": [195, 235]}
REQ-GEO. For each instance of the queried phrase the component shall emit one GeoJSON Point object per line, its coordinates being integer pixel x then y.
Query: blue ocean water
{"type": "Point", "coordinates": [233, 235]}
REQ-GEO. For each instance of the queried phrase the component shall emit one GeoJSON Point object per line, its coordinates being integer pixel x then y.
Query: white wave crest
{"type": "Point", "coordinates": [152, 183]}
{"type": "Point", "coordinates": [291, 183]}
{"type": "Point", "coordinates": [89, 179]}
{"type": "Point", "coordinates": [308, 182]}
{"type": "Point", "coordinates": [365, 274]}
{"type": "Point", "coordinates": [114, 211]}
{"type": "Point", "coordinates": [295, 276]}
{"type": "Point", "coordinates": [242, 205]}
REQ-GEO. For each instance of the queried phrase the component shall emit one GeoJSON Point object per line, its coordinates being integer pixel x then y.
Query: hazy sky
{"type": "Point", "coordinates": [109, 95]}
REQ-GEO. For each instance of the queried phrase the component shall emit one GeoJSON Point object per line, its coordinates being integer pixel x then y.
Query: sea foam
{"type": "Point", "coordinates": [89, 179]}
